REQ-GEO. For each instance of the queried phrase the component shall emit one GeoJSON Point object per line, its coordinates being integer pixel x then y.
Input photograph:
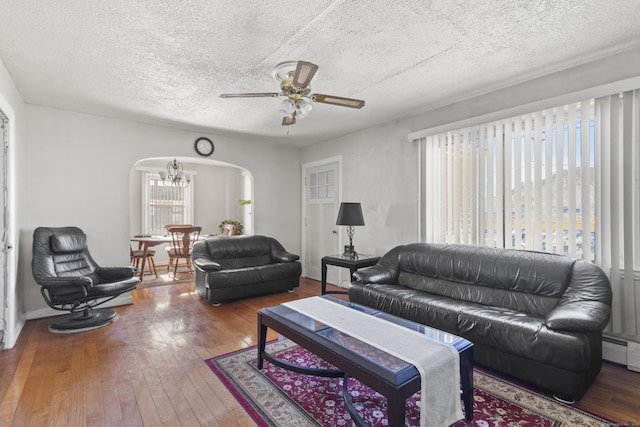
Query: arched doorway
{"type": "Point", "coordinates": [217, 191]}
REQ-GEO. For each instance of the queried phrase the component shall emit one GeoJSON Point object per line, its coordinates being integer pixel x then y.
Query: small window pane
{"type": "Point", "coordinates": [322, 178]}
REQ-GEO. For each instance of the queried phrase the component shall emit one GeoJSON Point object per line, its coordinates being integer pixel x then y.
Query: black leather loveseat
{"type": "Point", "coordinates": [229, 268]}
{"type": "Point", "coordinates": [535, 316]}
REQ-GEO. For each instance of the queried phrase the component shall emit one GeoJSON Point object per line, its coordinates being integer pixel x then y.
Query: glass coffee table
{"type": "Point", "coordinates": [390, 376]}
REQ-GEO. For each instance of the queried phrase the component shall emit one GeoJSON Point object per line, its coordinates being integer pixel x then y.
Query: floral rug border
{"type": "Point", "coordinates": [276, 408]}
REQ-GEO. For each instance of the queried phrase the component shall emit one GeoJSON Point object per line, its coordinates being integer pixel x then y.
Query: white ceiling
{"type": "Point", "coordinates": [168, 61]}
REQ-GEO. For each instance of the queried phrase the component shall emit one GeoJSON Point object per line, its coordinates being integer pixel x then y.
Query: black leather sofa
{"type": "Point", "coordinates": [535, 316]}
{"type": "Point", "coordinates": [229, 268]}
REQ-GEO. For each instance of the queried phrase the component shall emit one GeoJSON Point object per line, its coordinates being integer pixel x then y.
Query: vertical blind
{"type": "Point", "coordinates": [618, 135]}
{"type": "Point", "coordinates": [562, 180]}
{"type": "Point", "coordinates": [524, 182]}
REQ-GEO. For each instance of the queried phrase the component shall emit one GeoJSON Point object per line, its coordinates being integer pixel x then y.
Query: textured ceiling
{"type": "Point", "coordinates": [160, 61]}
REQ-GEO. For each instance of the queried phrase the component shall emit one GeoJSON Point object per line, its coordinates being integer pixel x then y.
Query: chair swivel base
{"type": "Point", "coordinates": [83, 321]}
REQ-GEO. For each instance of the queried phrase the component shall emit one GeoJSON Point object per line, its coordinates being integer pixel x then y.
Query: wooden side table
{"type": "Point", "coordinates": [353, 264]}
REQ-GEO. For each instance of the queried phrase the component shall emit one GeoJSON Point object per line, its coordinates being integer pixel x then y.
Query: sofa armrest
{"type": "Point", "coordinates": [375, 274]}
{"type": "Point", "coordinates": [586, 303]}
{"type": "Point", "coordinates": [579, 316]}
{"type": "Point", "coordinates": [53, 282]}
{"type": "Point", "coordinates": [207, 265]}
{"type": "Point", "coordinates": [385, 271]}
{"type": "Point", "coordinates": [110, 274]}
{"type": "Point", "coordinates": [285, 256]}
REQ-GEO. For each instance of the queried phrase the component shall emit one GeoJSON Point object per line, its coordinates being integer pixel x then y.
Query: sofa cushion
{"type": "Point", "coordinates": [526, 281]}
{"type": "Point", "coordinates": [238, 252]}
{"type": "Point", "coordinates": [249, 275]}
{"type": "Point", "coordinates": [499, 328]}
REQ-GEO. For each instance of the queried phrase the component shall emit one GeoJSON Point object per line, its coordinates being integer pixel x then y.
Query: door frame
{"type": "Point", "coordinates": [305, 167]}
{"type": "Point", "coordinates": [12, 323]}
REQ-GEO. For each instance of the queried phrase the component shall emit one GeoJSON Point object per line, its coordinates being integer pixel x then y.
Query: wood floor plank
{"type": "Point", "coordinates": [148, 369]}
{"type": "Point", "coordinates": [15, 388]}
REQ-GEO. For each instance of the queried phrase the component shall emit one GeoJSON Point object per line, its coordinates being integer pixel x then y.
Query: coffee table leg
{"type": "Point", "coordinates": [466, 380]}
{"type": "Point", "coordinates": [395, 411]}
{"type": "Point", "coordinates": [262, 340]}
{"type": "Point", "coordinates": [323, 282]}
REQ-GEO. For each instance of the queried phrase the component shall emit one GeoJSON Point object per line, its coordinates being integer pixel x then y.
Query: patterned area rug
{"type": "Point", "coordinates": [277, 397]}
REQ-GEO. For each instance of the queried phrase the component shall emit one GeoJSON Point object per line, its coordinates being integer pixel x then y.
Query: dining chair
{"type": "Point", "coordinates": [182, 240]}
{"type": "Point", "coordinates": [168, 226]}
{"type": "Point", "coordinates": [138, 254]}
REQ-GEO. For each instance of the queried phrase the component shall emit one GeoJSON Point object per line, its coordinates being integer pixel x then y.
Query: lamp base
{"type": "Point", "coordinates": [349, 252]}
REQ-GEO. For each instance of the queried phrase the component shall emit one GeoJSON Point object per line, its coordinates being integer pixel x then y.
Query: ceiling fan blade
{"type": "Point", "coordinates": [250, 95]}
{"type": "Point", "coordinates": [289, 120]}
{"type": "Point", "coordinates": [303, 75]}
{"type": "Point", "coordinates": [337, 100]}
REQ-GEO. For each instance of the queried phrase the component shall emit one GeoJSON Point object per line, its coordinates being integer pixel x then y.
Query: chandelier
{"type": "Point", "coordinates": [175, 174]}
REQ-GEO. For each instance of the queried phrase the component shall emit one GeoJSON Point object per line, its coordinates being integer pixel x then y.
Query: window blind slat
{"type": "Point", "coordinates": [464, 181]}
{"type": "Point", "coordinates": [528, 201]}
{"type": "Point", "coordinates": [455, 160]}
{"type": "Point", "coordinates": [477, 169]}
{"type": "Point", "coordinates": [616, 214]}
{"type": "Point", "coordinates": [516, 189]}
{"type": "Point", "coordinates": [629, 321]}
{"type": "Point", "coordinates": [571, 180]}
{"type": "Point", "coordinates": [586, 180]}
{"type": "Point", "coordinates": [548, 188]}
{"type": "Point", "coordinates": [538, 126]}
{"type": "Point", "coordinates": [490, 205]}
{"type": "Point", "coordinates": [499, 188]}
{"type": "Point", "coordinates": [559, 180]}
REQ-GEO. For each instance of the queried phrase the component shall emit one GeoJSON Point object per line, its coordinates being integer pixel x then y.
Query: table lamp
{"type": "Point", "coordinates": [350, 214]}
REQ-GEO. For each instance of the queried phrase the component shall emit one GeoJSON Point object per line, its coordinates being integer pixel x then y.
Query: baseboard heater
{"type": "Point", "coordinates": [623, 352]}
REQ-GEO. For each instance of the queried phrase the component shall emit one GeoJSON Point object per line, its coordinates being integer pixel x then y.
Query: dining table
{"type": "Point", "coordinates": [147, 241]}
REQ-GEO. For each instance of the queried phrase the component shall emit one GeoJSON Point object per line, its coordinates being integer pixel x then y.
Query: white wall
{"type": "Point", "coordinates": [217, 192]}
{"type": "Point", "coordinates": [379, 170]}
{"type": "Point", "coordinates": [75, 170]}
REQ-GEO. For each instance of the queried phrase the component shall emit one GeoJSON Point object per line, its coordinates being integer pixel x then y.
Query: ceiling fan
{"type": "Point", "coordinates": [294, 78]}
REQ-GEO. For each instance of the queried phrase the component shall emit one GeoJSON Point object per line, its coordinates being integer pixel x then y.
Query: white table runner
{"type": "Point", "coordinates": [438, 363]}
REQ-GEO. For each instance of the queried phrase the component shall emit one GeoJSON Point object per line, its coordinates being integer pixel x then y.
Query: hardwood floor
{"type": "Point", "coordinates": [147, 368]}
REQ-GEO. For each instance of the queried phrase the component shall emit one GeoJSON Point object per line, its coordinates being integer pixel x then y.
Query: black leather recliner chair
{"type": "Point", "coordinates": [72, 281]}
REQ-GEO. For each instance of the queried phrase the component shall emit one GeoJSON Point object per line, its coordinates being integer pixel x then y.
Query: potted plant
{"type": "Point", "coordinates": [238, 225]}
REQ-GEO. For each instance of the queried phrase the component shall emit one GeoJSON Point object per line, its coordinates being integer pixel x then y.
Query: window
{"type": "Point", "coordinates": [322, 185]}
{"type": "Point", "coordinates": [564, 180]}
{"type": "Point", "coordinates": [524, 182]}
{"type": "Point", "coordinates": [164, 203]}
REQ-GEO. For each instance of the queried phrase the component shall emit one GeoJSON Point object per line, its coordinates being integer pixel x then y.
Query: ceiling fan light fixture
{"type": "Point", "coordinates": [304, 107]}
{"type": "Point", "coordinates": [287, 107]}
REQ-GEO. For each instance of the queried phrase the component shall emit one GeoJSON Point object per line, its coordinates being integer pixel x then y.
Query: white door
{"type": "Point", "coordinates": [5, 244]}
{"type": "Point", "coordinates": [321, 210]}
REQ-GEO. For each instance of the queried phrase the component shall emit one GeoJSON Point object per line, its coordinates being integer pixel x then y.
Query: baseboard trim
{"type": "Point", "coordinates": [123, 299]}
{"type": "Point", "coordinates": [614, 351]}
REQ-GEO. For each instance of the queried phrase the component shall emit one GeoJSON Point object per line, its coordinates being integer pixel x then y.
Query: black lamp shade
{"type": "Point", "coordinates": [350, 214]}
